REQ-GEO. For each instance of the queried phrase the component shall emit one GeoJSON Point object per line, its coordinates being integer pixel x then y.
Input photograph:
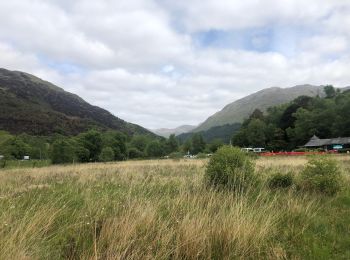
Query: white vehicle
{"type": "Point", "coordinates": [26, 157]}
{"type": "Point", "coordinates": [1, 157]}
{"type": "Point", "coordinates": [255, 150]}
{"type": "Point", "coordinates": [247, 150]}
{"type": "Point", "coordinates": [190, 156]}
{"type": "Point", "coordinates": [258, 150]}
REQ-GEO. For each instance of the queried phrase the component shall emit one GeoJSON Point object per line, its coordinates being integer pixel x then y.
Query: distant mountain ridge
{"type": "Point", "coordinates": [238, 110]}
{"type": "Point", "coordinates": [166, 132]}
{"type": "Point", "coordinates": [34, 106]}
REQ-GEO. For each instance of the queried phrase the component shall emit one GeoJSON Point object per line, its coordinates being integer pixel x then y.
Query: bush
{"type": "Point", "coordinates": [201, 156]}
{"type": "Point", "coordinates": [280, 180]}
{"type": "Point", "coordinates": [2, 163]}
{"type": "Point", "coordinates": [107, 155]}
{"type": "Point", "coordinates": [321, 175]}
{"type": "Point", "coordinates": [229, 168]}
{"type": "Point", "coordinates": [176, 155]}
{"type": "Point", "coordinates": [301, 150]}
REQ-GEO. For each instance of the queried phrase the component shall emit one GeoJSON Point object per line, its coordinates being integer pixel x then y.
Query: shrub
{"type": "Point", "coordinates": [301, 150]}
{"type": "Point", "coordinates": [321, 175]}
{"type": "Point", "coordinates": [280, 180]}
{"type": "Point", "coordinates": [229, 168]}
{"type": "Point", "coordinates": [107, 155]}
{"type": "Point", "coordinates": [2, 163]}
{"type": "Point", "coordinates": [201, 156]}
{"type": "Point", "coordinates": [176, 155]}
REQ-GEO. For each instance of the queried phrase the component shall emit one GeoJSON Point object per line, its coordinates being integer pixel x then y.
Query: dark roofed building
{"type": "Point", "coordinates": [328, 144]}
{"type": "Point", "coordinates": [317, 142]}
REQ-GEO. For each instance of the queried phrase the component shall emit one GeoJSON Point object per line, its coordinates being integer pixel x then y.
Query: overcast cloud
{"type": "Point", "coordinates": [164, 63]}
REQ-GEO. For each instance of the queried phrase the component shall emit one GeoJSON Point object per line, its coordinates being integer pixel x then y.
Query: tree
{"type": "Point", "coordinates": [319, 120]}
{"type": "Point", "coordinates": [139, 142]}
{"type": "Point", "coordinates": [256, 133]}
{"type": "Point", "coordinates": [287, 119]}
{"type": "Point", "coordinates": [240, 138]}
{"type": "Point", "coordinates": [187, 146]}
{"type": "Point", "coordinates": [277, 141]}
{"type": "Point", "coordinates": [135, 153]}
{"type": "Point", "coordinates": [16, 148]}
{"type": "Point", "coordinates": [198, 144]}
{"type": "Point", "coordinates": [92, 141]}
{"type": "Point", "coordinates": [257, 114]}
{"type": "Point", "coordinates": [107, 154]}
{"type": "Point", "coordinates": [82, 154]}
{"type": "Point", "coordinates": [62, 152]}
{"type": "Point", "coordinates": [341, 125]}
{"type": "Point", "coordinates": [116, 141]}
{"type": "Point", "coordinates": [172, 144]}
{"type": "Point", "coordinates": [329, 90]}
{"type": "Point", "coordinates": [155, 149]}
{"type": "Point", "coordinates": [215, 145]}
{"type": "Point", "coordinates": [303, 101]}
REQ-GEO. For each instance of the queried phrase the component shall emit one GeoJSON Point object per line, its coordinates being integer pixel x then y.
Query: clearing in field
{"type": "Point", "coordinates": [162, 210]}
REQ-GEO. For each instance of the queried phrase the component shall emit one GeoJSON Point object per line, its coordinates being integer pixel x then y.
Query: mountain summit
{"type": "Point", "coordinates": [34, 106]}
{"type": "Point", "coordinates": [166, 132]}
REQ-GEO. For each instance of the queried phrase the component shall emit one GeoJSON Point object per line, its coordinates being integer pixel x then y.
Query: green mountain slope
{"type": "Point", "coordinates": [33, 106]}
{"type": "Point", "coordinates": [224, 132]}
{"type": "Point", "coordinates": [237, 111]}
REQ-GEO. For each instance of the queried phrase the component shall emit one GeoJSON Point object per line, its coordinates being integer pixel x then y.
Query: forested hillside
{"type": "Point", "coordinates": [291, 125]}
{"type": "Point", "coordinates": [239, 110]}
{"type": "Point", "coordinates": [33, 106]}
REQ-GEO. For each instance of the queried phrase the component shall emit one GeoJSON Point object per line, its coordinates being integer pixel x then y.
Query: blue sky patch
{"type": "Point", "coordinates": [62, 67]}
{"type": "Point", "coordinates": [269, 39]}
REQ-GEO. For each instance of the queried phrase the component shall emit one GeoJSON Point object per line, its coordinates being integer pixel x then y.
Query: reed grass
{"type": "Point", "coordinates": [151, 210]}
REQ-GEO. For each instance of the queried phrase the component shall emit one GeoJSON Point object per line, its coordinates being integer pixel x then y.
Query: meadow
{"type": "Point", "coordinates": [160, 209]}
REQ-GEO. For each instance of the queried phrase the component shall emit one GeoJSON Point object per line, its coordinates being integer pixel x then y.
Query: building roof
{"type": "Point", "coordinates": [340, 140]}
{"type": "Point", "coordinates": [316, 142]}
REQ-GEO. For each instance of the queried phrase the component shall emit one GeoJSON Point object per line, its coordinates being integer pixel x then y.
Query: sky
{"type": "Point", "coordinates": [165, 63]}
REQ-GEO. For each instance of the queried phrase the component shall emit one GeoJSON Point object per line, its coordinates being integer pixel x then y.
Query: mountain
{"type": "Point", "coordinates": [34, 106]}
{"type": "Point", "coordinates": [166, 132]}
{"type": "Point", "coordinates": [240, 109]}
{"type": "Point", "coordinates": [224, 132]}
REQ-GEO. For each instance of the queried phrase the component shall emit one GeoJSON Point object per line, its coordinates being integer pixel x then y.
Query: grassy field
{"type": "Point", "coordinates": [14, 164]}
{"type": "Point", "coordinates": [162, 210]}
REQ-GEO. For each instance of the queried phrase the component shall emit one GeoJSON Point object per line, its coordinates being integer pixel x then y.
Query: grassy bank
{"type": "Point", "coordinates": [161, 210]}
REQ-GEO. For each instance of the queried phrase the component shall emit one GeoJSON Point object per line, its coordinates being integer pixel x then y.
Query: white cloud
{"type": "Point", "coordinates": [138, 58]}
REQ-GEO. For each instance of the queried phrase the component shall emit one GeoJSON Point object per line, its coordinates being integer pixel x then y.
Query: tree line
{"type": "Point", "coordinates": [97, 146]}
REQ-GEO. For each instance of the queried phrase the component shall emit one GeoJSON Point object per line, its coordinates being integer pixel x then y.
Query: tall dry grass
{"type": "Point", "coordinates": [144, 210]}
